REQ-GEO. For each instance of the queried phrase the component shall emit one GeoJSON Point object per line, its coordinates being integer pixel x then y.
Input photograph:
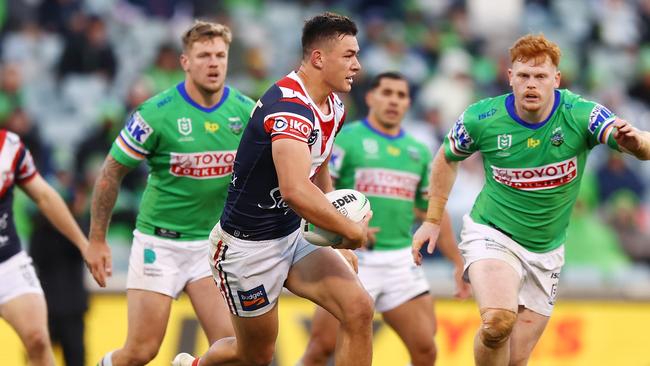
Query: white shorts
{"type": "Point", "coordinates": [539, 272]}
{"type": "Point", "coordinates": [164, 265]}
{"type": "Point", "coordinates": [391, 277]}
{"type": "Point", "coordinates": [251, 274]}
{"type": "Point", "coordinates": [18, 278]}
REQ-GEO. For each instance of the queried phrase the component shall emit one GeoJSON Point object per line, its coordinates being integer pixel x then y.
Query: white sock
{"type": "Point", "coordinates": [107, 359]}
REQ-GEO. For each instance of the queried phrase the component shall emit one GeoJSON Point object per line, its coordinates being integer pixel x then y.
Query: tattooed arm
{"type": "Point", "coordinates": [105, 193]}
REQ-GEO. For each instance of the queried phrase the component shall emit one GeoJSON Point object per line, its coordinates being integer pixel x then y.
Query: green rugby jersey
{"type": "Point", "coordinates": [532, 171]}
{"type": "Point", "coordinates": [190, 151]}
{"type": "Point", "coordinates": [392, 171]}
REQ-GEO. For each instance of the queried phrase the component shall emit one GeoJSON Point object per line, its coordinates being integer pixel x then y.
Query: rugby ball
{"type": "Point", "coordinates": [350, 203]}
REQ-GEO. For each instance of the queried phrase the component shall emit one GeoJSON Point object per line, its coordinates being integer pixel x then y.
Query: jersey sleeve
{"type": "Point", "coordinates": [422, 194]}
{"type": "Point", "coordinates": [458, 143]}
{"type": "Point", "coordinates": [25, 167]}
{"type": "Point", "coordinates": [289, 119]}
{"type": "Point", "coordinates": [600, 123]}
{"type": "Point", "coordinates": [134, 142]}
{"type": "Point", "coordinates": [338, 158]}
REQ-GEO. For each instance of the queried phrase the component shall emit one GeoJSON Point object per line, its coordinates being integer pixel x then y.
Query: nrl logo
{"type": "Point", "coordinates": [504, 141]}
{"type": "Point", "coordinates": [184, 126]}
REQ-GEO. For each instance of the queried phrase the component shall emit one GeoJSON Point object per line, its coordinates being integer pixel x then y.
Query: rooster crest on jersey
{"type": "Point", "coordinates": [350, 203]}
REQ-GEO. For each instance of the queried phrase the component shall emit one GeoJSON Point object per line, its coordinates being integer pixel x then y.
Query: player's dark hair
{"type": "Point", "coordinates": [394, 75]}
{"type": "Point", "coordinates": [324, 27]}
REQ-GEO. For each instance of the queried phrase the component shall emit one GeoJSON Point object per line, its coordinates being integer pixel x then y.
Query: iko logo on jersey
{"type": "Point", "coordinates": [289, 124]}
{"type": "Point", "coordinates": [537, 178]}
{"type": "Point", "coordinates": [253, 299]}
{"type": "Point", "coordinates": [598, 116]}
{"type": "Point", "coordinates": [386, 183]}
{"type": "Point", "coordinates": [138, 129]}
{"type": "Point", "coordinates": [202, 165]}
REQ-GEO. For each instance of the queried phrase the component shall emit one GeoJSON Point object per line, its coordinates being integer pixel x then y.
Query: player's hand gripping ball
{"type": "Point", "coordinates": [350, 203]}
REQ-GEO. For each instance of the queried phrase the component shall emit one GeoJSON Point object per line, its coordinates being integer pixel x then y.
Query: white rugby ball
{"type": "Point", "coordinates": [352, 204]}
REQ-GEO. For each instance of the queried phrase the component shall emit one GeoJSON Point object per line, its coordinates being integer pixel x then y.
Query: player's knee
{"type": "Point", "coordinates": [262, 356]}
{"type": "Point", "coordinates": [423, 353]}
{"type": "Point", "coordinates": [37, 342]}
{"type": "Point", "coordinates": [321, 346]}
{"type": "Point", "coordinates": [496, 326]}
{"type": "Point", "coordinates": [358, 310]}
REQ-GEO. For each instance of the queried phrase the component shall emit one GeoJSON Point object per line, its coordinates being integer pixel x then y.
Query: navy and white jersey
{"type": "Point", "coordinates": [16, 166]}
{"type": "Point", "coordinates": [254, 208]}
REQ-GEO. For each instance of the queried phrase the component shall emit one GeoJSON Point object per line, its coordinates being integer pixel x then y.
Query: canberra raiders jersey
{"type": "Point", "coordinates": [532, 171]}
{"type": "Point", "coordinates": [255, 209]}
{"type": "Point", "coordinates": [16, 167]}
{"type": "Point", "coordinates": [392, 171]}
{"type": "Point", "coordinates": [190, 151]}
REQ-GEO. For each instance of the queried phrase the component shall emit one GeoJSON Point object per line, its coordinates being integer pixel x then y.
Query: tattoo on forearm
{"type": "Point", "coordinates": [105, 193]}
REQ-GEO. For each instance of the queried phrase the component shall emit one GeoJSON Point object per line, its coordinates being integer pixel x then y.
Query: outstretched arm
{"type": "Point", "coordinates": [105, 193]}
{"type": "Point", "coordinates": [55, 210]}
{"type": "Point", "coordinates": [632, 140]}
{"type": "Point", "coordinates": [443, 176]}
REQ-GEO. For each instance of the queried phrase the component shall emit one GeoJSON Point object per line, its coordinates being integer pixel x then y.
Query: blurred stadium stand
{"type": "Point", "coordinates": [69, 66]}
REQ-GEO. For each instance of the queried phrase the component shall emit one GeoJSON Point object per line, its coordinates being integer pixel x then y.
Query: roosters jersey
{"type": "Point", "coordinates": [16, 166]}
{"type": "Point", "coordinates": [254, 208]}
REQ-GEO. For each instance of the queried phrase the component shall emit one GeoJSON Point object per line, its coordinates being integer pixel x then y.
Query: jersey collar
{"type": "Point", "coordinates": [183, 92]}
{"type": "Point", "coordinates": [390, 137]}
{"type": "Point", "coordinates": [510, 107]}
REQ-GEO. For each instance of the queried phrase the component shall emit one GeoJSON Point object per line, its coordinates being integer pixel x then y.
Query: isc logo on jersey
{"type": "Point", "coordinates": [537, 178]}
{"type": "Point", "coordinates": [203, 165]}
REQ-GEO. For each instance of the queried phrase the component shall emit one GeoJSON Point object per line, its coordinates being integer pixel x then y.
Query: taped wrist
{"type": "Point", "coordinates": [436, 209]}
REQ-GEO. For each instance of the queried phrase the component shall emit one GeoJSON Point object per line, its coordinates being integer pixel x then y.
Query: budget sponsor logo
{"type": "Point", "coordinates": [537, 178]}
{"type": "Point", "coordinates": [202, 165]}
{"type": "Point", "coordinates": [386, 183]}
{"type": "Point", "coordinates": [253, 299]}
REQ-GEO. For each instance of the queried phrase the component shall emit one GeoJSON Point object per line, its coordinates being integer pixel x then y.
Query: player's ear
{"type": "Point", "coordinates": [316, 59]}
{"type": "Point", "coordinates": [184, 62]}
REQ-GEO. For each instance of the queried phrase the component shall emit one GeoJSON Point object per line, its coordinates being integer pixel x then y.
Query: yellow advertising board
{"type": "Point", "coordinates": [579, 333]}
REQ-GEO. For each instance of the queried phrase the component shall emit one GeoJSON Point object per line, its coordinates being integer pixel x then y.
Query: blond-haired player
{"type": "Point", "coordinates": [188, 134]}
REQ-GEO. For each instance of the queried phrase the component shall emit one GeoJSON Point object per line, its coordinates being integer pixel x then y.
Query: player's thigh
{"type": "Point", "coordinates": [414, 322]}
{"type": "Point", "coordinates": [210, 308]}
{"type": "Point", "coordinates": [27, 314]}
{"type": "Point", "coordinates": [495, 284]}
{"type": "Point", "coordinates": [148, 313]}
{"type": "Point", "coordinates": [256, 335]}
{"type": "Point", "coordinates": [526, 333]}
{"type": "Point", "coordinates": [325, 278]}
